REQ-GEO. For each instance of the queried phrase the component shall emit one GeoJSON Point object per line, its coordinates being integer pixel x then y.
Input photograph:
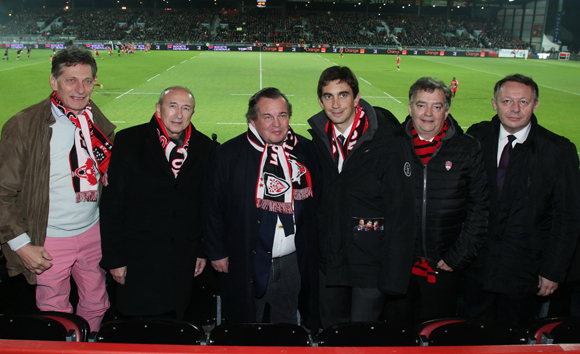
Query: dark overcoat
{"type": "Point", "coordinates": [232, 222]}
{"type": "Point", "coordinates": [376, 184]}
{"type": "Point", "coordinates": [150, 220]}
{"type": "Point", "coordinates": [534, 226]}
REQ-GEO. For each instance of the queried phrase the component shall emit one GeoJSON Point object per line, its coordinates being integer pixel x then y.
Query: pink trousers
{"type": "Point", "coordinates": [78, 256]}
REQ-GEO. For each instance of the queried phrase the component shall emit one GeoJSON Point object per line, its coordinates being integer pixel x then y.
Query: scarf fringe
{"type": "Point", "coordinates": [273, 206]}
{"type": "Point", "coordinates": [88, 196]}
{"type": "Point", "coordinates": [301, 194]}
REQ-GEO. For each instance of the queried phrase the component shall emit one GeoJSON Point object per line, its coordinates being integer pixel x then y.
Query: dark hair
{"type": "Point", "coordinates": [340, 73]}
{"type": "Point", "coordinates": [522, 79]}
{"type": "Point", "coordinates": [70, 57]}
{"type": "Point", "coordinates": [430, 84]}
{"type": "Point", "coordinates": [268, 92]}
{"type": "Point", "coordinates": [166, 91]}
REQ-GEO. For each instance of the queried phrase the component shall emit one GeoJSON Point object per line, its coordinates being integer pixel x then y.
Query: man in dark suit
{"type": "Point", "coordinates": [150, 212]}
{"type": "Point", "coordinates": [259, 226]}
{"type": "Point", "coordinates": [534, 223]}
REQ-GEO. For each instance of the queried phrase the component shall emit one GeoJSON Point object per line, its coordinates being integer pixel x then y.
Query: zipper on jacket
{"type": "Point", "coordinates": [424, 206]}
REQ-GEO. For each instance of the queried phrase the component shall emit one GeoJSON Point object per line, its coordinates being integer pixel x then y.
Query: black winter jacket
{"type": "Point", "coordinates": [451, 198]}
{"type": "Point", "coordinates": [374, 184]}
{"type": "Point", "coordinates": [533, 229]}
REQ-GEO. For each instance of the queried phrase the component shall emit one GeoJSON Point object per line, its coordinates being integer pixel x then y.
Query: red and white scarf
{"type": "Point", "coordinates": [359, 126]}
{"type": "Point", "coordinates": [282, 177]}
{"type": "Point", "coordinates": [174, 154]}
{"type": "Point", "coordinates": [424, 148]}
{"type": "Point", "coordinates": [91, 147]}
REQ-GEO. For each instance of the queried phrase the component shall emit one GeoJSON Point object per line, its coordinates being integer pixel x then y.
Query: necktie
{"type": "Point", "coordinates": [503, 164]}
{"type": "Point", "coordinates": [340, 140]}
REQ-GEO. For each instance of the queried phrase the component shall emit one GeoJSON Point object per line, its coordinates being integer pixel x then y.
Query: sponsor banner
{"type": "Point", "coordinates": [456, 3]}
{"type": "Point", "coordinates": [57, 46]}
{"type": "Point", "coordinates": [96, 46]}
{"type": "Point", "coordinates": [177, 47]}
{"type": "Point", "coordinates": [439, 3]}
{"type": "Point", "coordinates": [512, 53]}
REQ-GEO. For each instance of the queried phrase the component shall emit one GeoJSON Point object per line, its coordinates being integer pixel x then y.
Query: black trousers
{"type": "Point", "coordinates": [521, 308]}
{"type": "Point", "coordinates": [425, 301]}
{"type": "Point", "coordinates": [282, 291]}
{"type": "Point", "coordinates": [342, 304]}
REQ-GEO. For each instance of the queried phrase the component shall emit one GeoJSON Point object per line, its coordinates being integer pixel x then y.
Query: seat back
{"type": "Point", "coordinates": [259, 334]}
{"type": "Point", "coordinates": [476, 333]}
{"type": "Point", "coordinates": [70, 321]}
{"type": "Point", "coordinates": [150, 331]}
{"type": "Point", "coordinates": [425, 328]}
{"type": "Point", "coordinates": [31, 327]}
{"type": "Point", "coordinates": [567, 332]}
{"type": "Point", "coordinates": [543, 325]}
{"type": "Point", "coordinates": [368, 334]}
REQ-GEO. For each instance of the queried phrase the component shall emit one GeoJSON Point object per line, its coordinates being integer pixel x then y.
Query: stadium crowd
{"type": "Point", "coordinates": [264, 26]}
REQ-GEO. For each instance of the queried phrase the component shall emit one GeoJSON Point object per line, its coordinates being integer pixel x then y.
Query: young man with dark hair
{"type": "Point", "coordinates": [366, 176]}
{"type": "Point", "coordinates": [534, 184]}
{"type": "Point", "coordinates": [50, 226]}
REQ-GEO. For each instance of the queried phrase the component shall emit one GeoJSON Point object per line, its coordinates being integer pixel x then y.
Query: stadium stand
{"type": "Point", "coordinates": [262, 26]}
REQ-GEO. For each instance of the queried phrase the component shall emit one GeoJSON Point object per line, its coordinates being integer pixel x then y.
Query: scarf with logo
{"type": "Point", "coordinates": [282, 177]}
{"type": "Point", "coordinates": [175, 150]}
{"type": "Point", "coordinates": [359, 126]}
{"type": "Point", "coordinates": [91, 152]}
{"type": "Point", "coordinates": [424, 148]}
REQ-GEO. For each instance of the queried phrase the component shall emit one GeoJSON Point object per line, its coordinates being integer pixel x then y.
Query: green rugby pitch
{"type": "Point", "coordinates": [224, 81]}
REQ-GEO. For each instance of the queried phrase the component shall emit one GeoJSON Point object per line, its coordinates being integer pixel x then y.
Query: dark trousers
{"type": "Point", "coordinates": [282, 291]}
{"type": "Point", "coordinates": [521, 308]}
{"type": "Point", "coordinates": [341, 304]}
{"type": "Point", "coordinates": [425, 301]}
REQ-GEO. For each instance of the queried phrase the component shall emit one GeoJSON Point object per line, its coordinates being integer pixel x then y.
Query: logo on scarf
{"type": "Point", "coordinates": [298, 170]}
{"type": "Point", "coordinates": [87, 172]}
{"type": "Point", "coordinates": [274, 186]}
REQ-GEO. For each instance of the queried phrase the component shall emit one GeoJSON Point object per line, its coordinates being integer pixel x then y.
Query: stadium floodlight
{"type": "Point", "coordinates": [261, 3]}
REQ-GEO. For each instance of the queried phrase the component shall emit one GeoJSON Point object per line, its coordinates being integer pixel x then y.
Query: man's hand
{"type": "Point", "coordinates": [547, 287]}
{"type": "Point", "coordinates": [119, 274]}
{"type": "Point", "coordinates": [34, 258]}
{"type": "Point", "coordinates": [443, 266]}
{"type": "Point", "coordinates": [199, 266]}
{"type": "Point", "coordinates": [221, 265]}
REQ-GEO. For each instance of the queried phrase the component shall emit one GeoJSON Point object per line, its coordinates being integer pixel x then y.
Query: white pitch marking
{"type": "Point", "coordinates": [183, 61]}
{"type": "Point", "coordinates": [21, 66]}
{"type": "Point", "coordinates": [170, 68]}
{"type": "Point", "coordinates": [153, 77]}
{"type": "Point", "coordinates": [124, 94]}
{"type": "Point", "coordinates": [392, 97]}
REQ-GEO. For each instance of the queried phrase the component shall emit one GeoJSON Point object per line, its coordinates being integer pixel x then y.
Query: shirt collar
{"type": "Point", "coordinates": [521, 136]}
{"type": "Point", "coordinates": [346, 131]}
